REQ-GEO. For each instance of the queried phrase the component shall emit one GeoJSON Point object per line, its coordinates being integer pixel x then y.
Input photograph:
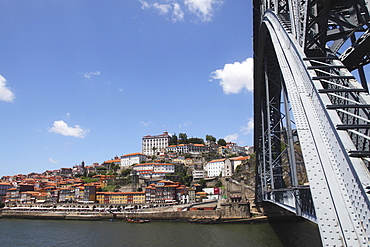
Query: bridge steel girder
{"type": "Point", "coordinates": [338, 182]}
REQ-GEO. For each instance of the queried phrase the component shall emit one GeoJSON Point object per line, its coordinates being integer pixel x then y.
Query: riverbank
{"type": "Point", "coordinates": [204, 213]}
{"type": "Point", "coordinates": [209, 217]}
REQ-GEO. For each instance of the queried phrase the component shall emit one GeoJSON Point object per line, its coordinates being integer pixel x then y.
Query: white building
{"type": "Point", "coordinates": [235, 161]}
{"type": "Point", "coordinates": [233, 148]}
{"type": "Point", "coordinates": [215, 167]}
{"type": "Point", "coordinates": [198, 174]}
{"type": "Point", "coordinates": [153, 145]}
{"type": "Point", "coordinates": [187, 148]}
{"type": "Point", "coordinates": [149, 170]}
{"type": "Point", "coordinates": [212, 193]}
{"type": "Point", "coordinates": [249, 149]}
{"type": "Point", "coordinates": [219, 168]}
{"type": "Point", "coordinates": [130, 159]}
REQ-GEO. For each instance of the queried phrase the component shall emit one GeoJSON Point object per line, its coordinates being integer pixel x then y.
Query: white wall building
{"type": "Point", "coordinates": [198, 174]}
{"type": "Point", "coordinates": [235, 161]}
{"type": "Point", "coordinates": [152, 145]}
{"type": "Point", "coordinates": [212, 193]}
{"type": "Point", "coordinates": [149, 170]}
{"type": "Point", "coordinates": [221, 167]}
{"type": "Point", "coordinates": [130, 159]}
{"type": "Point", "coordinates": [187, 148]}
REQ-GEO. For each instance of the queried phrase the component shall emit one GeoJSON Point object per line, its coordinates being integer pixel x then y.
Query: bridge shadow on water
{"type": "Point", "coordinates": [292, 231]}
{"type": "Point", "coordinates": [297, 232]}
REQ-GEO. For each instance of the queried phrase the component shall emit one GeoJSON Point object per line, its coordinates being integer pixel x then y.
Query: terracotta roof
{"type": "Point", "coordinates": [240, 158]}
{"type": "Point", "coordinates": [5, 183]}
{"type": "Point", "coordinates": [111, 161]}
{"type": "Point", "coordinates": [212, 161]}
{"type": "Point", "coordinates": [132, 154]}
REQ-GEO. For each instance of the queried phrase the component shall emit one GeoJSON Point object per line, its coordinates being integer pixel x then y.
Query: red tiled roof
{"type": "Point", "coordinates": [132, 154]}
{"type": "Point", "coordinates": [111, 161]}
{"type": "Point", "coordinates": [212, 161]}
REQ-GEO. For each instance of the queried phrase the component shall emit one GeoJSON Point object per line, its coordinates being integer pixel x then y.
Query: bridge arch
{"type": "Point", "coordinates": [299, 120]}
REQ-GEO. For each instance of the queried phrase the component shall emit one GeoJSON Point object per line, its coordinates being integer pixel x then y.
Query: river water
{"type": "Point", "coordinates": [21, 232]}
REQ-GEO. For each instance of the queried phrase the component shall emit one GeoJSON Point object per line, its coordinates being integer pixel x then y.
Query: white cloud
{"type": "Point", "coordinates": [89, 74]}
{"type": "Point", "coordinates": [177, 14]}
{"type": "Point", "coordinates": [185, 124]}
{"type": "Point", "coordinates": [249, 128]}
{"type": "Point", "coordinates": [60, 127]}
{"type": "Point", "coordinates": [235, 77]}
{"type": "Point", "coordinates": [162, 8]}
{"type": "Point", "coordinates": [232, 137]}
{"type": "Point", "coordinates": [53, 161]}
{"type": "Point", "coordinates": [6, 93]}
{"type": "Point", "coordinates": [146, 124]}
{"type": "Point", "coordinates": [202, 9]}
{"type": "Point", "coordinates": [144, 4]}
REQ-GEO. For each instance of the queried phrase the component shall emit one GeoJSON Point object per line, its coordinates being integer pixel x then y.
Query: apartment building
{"type": "Point", "coordinates": [198, 174]}
{"type": "Point", "coordinates": [219, 168]}
{"type": "Point", "coordinates": [235, 161]}
{"type": "Point", "coordinates": [187, 148]}
{"type": "Point", "coordinates": [120, 197]}
{"type": "Point", "coordinates": [154, 145]}
{"type": "Point", "coordinates": [4, 186]}
{"type": "Point", "coordinates": [150, 170]}
{"type": "Point", "coordinates": [165, 192]}
{"type": "Point", "coordinates": [131, 159]}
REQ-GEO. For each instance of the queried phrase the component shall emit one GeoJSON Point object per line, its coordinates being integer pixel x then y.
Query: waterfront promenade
{"type": "Point", "coordinates": [212, 212]}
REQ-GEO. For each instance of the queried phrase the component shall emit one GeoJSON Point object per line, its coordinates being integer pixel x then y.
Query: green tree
{"type": "Point", "coordinates": [173, 140]}
{"type": "Point", "coordinates": [88, 180]}
{"type": "Point", "coordinates": [203, 183]}
{"type": "Point", "coordinates": [218, 183]}
{"type": "Point", "coordinates": [109, 188]}
{"type": "Point", "coordinates": [125, 172]}
{"type": "Point", "coordinates": [183, 138]}
{"type": "Point", "coordinates": [182, 173]}
{"type": "Point", "coordinates": [221, 142]}
{"type": "Point", "coordinates": [210, 138]}
{"type": "Point", "coordinates": [115, 167]}
{"type": "Point", "coordinates": [196, 140]}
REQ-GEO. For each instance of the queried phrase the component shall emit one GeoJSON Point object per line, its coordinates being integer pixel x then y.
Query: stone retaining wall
{"type": "Point", "coordinates": [227, 212]}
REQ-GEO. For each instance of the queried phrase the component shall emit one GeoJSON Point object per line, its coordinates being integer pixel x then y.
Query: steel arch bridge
{"type": "Point", "coordinates": [312, 113]}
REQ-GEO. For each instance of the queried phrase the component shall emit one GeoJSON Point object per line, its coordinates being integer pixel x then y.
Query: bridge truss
{"type": "Point", "coordinates": [312, 113]}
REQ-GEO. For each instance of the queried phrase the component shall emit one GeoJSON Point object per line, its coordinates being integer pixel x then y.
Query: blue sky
{"type": "Point", "coordinates": [85, 80]}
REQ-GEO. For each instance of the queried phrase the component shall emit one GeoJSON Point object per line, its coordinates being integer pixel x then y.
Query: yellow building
{"type": "Point", "coordinates": [120, 197]}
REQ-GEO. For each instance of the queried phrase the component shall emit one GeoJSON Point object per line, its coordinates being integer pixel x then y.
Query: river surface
{"type": "Point", "coordinates": [22, 232]}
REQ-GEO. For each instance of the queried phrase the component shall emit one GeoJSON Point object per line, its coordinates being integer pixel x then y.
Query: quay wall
{"type": "Point", "coordinates": [227, 213]}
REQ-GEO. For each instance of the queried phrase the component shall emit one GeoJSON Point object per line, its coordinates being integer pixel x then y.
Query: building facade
{"type": "Point", "coordinates": [150, 170]}
{"type": "Point", "coordinates": [120, 198]}
{"type": "Point", "coordinates": [131, 159]}
{"type": "Point", "coordinates": [219, 168]}
{"type": "Point", "coordinates": [235, 161]}
{"type": "Point", "coordinates": [187, 148]}
{"type": "Point", "coordinates": [165, 192]}
{"type": "Point", "coordinates": [154, 145]}
{"type": "Point", "coordinates": [198, 174]}
{"type": "Point", "coordinates": [4, 186]}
